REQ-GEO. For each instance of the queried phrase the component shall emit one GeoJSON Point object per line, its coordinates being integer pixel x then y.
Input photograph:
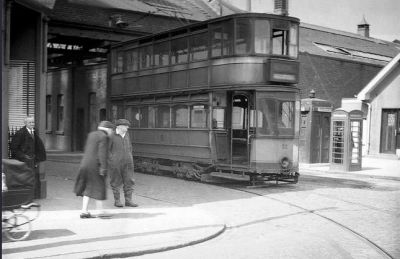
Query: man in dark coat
{"type": "Point", "coordinates": [121, 164]}
{"type": "Point", "coordinates": [90, 182]}
{"type": "Point", "coordinates": [26, 146]}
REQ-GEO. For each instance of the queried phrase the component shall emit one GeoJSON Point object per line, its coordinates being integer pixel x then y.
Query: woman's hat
{"type": "Point", "coordinates": [107, 124]}
{"type": "Point", "coordinates": [123, 122]}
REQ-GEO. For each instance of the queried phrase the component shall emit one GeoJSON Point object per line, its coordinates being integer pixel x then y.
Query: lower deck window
{"type": "Point", "coordinates": [199, 116]}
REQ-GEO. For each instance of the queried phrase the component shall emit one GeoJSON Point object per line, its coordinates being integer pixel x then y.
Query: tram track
{"type": "Point", "coordinates": [360, 236]}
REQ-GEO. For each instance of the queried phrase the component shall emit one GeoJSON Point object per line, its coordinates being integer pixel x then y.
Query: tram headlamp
{"type": "Point", "coordinates": [285, 163]}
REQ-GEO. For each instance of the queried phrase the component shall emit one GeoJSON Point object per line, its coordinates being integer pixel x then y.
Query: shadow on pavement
{"type": "Point", "coordinates": [96, 239]}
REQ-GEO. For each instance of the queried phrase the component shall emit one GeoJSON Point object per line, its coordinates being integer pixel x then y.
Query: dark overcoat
{"type": "Point", "coordinates": [27, 148]}
{"type": "Point", "coordinates": [93, 168]}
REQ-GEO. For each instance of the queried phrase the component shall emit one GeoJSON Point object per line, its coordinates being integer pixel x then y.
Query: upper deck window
{"type": "Point", "coordinates": [179, 50]}
{"type": "Point", "coordinates": [118, 62]}
{"type": "Point", "coordinates": [293, 41]}
{"type": "Point", "coordinates": [243, 36]}
{"type": "Point", "coordinates": [145, 56]}
{"type": "Point", "coordinates": [221, 39]}
{"type": "Point", "coordinates": [132, 60]}
{"type": "Point", "coordinates": [161, 53]}
{"type": "Point", "coordinates": [279, 42]}
{"type": "Point", "coordinates": [262, 32]}
{"type": "Point", "coordinates": [198, 47]}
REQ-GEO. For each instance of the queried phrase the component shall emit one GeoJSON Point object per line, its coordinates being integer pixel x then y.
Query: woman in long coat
{"type": "Point", "coordinates": [90, 182]}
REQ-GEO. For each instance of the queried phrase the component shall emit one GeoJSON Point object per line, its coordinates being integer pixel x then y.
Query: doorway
{"type": "Point", "coordinates": [390, 137]}
{"type": "Point", "coordinates": [240, 129]}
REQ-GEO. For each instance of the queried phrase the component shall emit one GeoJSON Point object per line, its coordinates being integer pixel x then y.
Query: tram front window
{"type": "Point", "coordinates": [275, 117]}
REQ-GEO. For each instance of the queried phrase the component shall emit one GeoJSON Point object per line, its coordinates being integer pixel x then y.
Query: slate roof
{"type": "Point", "coordinates": [310, 34]}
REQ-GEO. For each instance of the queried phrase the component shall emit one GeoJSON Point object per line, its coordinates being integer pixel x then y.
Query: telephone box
{"type": "Point", "coordinates": [346, 135]}
{"type": "Point", "coordinates": [315, 130]}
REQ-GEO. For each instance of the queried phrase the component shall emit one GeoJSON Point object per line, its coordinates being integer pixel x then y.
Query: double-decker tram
{"type": "Point", "coordinates": [213, 99]}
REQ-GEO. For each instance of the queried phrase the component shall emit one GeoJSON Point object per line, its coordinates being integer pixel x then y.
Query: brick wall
{"type": "Point", "coordinates": [332, 78]}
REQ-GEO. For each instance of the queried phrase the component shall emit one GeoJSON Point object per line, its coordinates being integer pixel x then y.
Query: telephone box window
{"type": "Point", "coordinates": [338, 142]}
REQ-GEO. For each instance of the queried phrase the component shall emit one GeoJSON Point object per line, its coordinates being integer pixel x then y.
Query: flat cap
{"type": "Point", "coordinates": [122, 122]}
{"type": "Point", "coordinates": [106, 124]}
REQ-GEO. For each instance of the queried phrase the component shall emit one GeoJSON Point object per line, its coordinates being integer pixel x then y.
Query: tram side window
{"type": "Point", "coordinates": [279, 42]}
{"type": "Point", "coordinates": [131, 57]}
{"type": "Point", "coordinates": [161, 54]}
{"type": "Point", "coordinates": [163, 117]}
{"type": "Point", "coordinates": [266, 119]}
{"type": "Point", "coordinates": [144, 117]}
{"type": "Point", "coordinates": [180, 116]}
{"type": "Point", "coordinates": [262, 36]}
{"type": "Point", "coordinates": [179, 51]}
{"type": "Point", "coordinates": [152, 117]}
{"type": "Point", "coordinates": [218, 118]}
{"type": "Point", "coordinates": [293, 44]}
{"type": "Point", "coordinates": [216, 41]}
{"type": "Point", "coordinates": [134, 116]}
{"type": "Point", "coordinates": [243, 36]}
{"type": "Point", "coordinates": [145, 57]}
{"type": "Point", "coordinates": [198, 47]}
{"type": "Point", "coordinates": [286, 118]}
{"type": "Point", "coordinates": [227, 39]}
{"type": "Point", "coordinates": [119, 62]}
{"type": "Point", "coordinates": [198, 116]}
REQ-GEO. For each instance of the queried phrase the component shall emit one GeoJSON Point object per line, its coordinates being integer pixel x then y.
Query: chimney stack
{"type": "Point", "coordinates": [363, 28]}
{"type": "Point", "coordinates": [281, 7]}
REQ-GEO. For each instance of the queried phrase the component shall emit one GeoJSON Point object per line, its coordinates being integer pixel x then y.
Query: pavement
{"type": "Point", "coordinates": [156, 225]}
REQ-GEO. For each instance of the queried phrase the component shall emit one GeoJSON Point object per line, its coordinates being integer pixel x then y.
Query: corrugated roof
{"type": "Point", "coordinates": [311, 34]}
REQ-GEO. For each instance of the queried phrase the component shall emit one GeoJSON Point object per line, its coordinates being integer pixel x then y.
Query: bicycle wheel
{"type": "Point", "coordinates": [17, 227]}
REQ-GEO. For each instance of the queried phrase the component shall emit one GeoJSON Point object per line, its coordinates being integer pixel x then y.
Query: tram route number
{"type": "Point", "coordinates": [284, 146]}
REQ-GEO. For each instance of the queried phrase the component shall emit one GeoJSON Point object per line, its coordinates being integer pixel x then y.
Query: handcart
{"type": "Point", "coordinates": [18, 208]}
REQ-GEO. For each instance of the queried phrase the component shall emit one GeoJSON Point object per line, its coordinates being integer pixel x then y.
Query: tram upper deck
{"type": "Point", "coordinates": [233, 51]}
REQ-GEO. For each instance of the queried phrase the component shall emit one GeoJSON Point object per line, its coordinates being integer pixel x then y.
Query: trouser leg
{"type": "Point", "coordinates": [127, 176]}
{"type": "Point", "coordinates": [117, 199]}
{"type": "Point", "coordinates": [115, 182]}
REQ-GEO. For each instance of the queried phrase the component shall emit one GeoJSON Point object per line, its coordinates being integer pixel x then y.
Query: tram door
{"type": "Point", "coordinates": [240, 129]}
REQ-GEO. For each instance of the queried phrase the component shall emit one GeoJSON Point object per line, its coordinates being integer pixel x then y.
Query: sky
{"type": "Point", "coordinates": [383, 16]}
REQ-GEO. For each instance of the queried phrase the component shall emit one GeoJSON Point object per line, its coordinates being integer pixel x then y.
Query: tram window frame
{"type": "Point", "coordinates": [161, 121]}
{"type": "Point", "coordinates": [184, 122]}
{"type": "Point", "coordinates": [119, 61]}
{"type": "Point", "coordinates": [262, 27]}
{"type": "Point", "coordinates": [195, 124]}
{"type": "Point", "coordinates": [293, 40]}
{"type": "Point", "coordinates": [162, 56]}
{"type": "Point", "coordinates": [134, 116]}
{"type": "Point", "coordinates": [146, 56]}
{"type": "Point", "coordinates": [132, 59]}
{"type": "Point", "coordinates": [218, 118]}
{"type": "Point", "coordinates": [194, 39]}
{"type": "Point", "coordinates": [180, 58]}
{"type": "Point", "coordinates": [248, 39]}
{"type": "Point", "coordinates": [268, 121]}
{"type": "Point", "coordinates": [279, 45]}
{"type": "Point", "coordinates": [224, 44]}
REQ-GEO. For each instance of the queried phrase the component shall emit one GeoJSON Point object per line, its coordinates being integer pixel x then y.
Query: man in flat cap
{"type": "Point", "coordinates": [121, 164]}
{"type": "Point", "coordinates": [90, 182]}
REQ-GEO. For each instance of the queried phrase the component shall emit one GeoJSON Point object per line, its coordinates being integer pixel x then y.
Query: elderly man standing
{"type": "Point", "coordinates": [121, 162]}
{"type": "Point", "coordinates": [26, 146]}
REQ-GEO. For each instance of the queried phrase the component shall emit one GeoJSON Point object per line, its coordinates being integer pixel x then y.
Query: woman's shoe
{"type": "Point", "coordinates": [86, 215]}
